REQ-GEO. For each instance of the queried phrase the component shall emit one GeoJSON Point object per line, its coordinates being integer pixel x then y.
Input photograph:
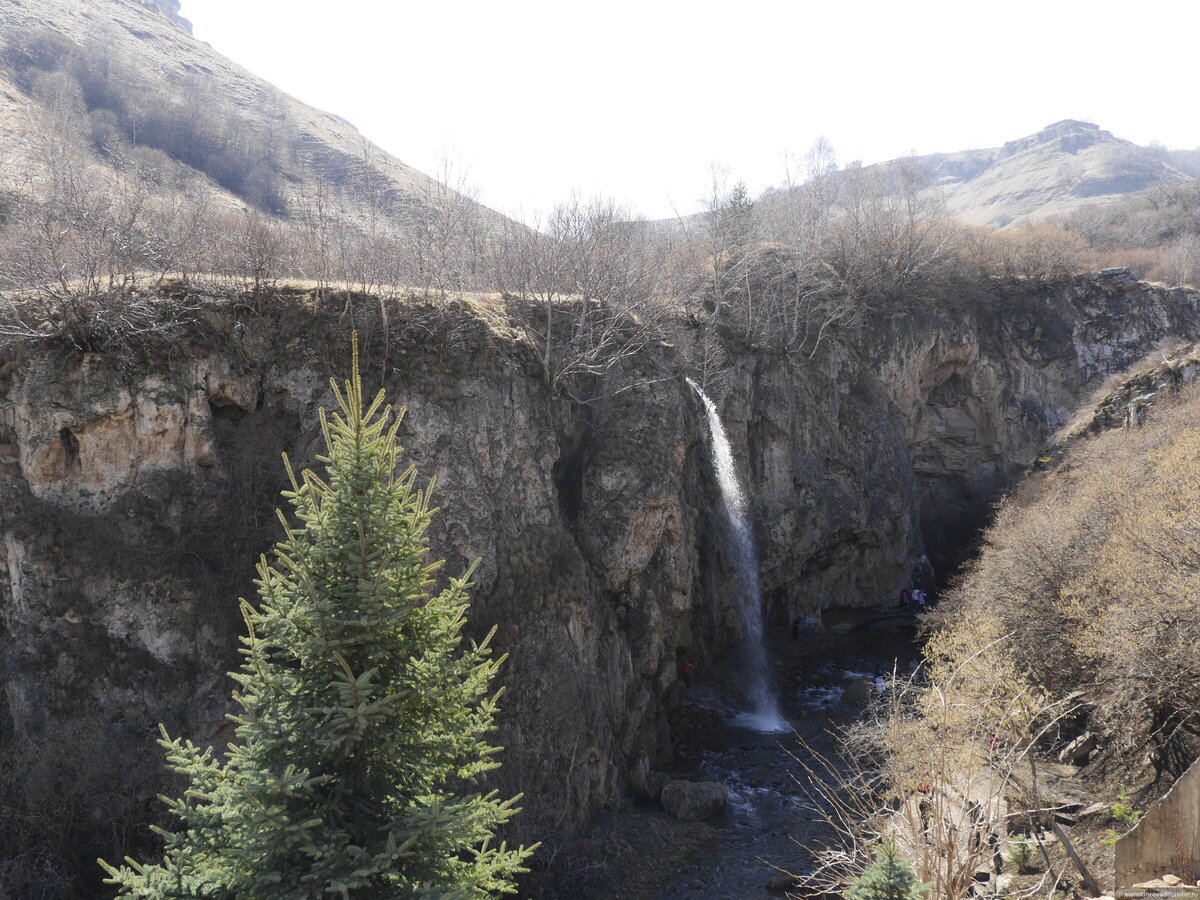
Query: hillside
{"type": "Point", "coordinates": [139, 66]}
{"type": "Point", "coordinates": [1065, 166]}
{"type": "Point", "coordinates": [1081, 612]}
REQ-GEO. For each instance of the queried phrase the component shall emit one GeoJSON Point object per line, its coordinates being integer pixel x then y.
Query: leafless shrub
{"type": "Point", "coordinates": [1093, 568]}
{"type": "Point", "coordinates": [588, 293]}
{"type": "Point", "coordinates": [941, 768]}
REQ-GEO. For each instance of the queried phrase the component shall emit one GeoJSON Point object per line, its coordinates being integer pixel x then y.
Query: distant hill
{"type": "Point", "coordinates": [1061, 168]}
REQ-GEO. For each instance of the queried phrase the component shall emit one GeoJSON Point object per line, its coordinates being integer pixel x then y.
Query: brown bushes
{"type": "Point", "coordinates": [1094, 571]}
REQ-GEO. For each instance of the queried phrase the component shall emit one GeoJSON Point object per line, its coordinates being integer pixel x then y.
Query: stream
{"type": "Point", "coordinates": [766, 820]}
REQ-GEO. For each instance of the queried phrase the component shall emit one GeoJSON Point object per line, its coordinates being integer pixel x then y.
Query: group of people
{"type": "Point", "coordinates": [802, 627]}
{"type": "Point", "coordinates": [912, 599]}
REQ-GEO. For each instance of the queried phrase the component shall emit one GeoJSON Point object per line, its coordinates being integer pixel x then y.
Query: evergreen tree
{"type": "Point", "coordinates": [362, 714]}
{"type": "Point", "coordinates": [889, 877]}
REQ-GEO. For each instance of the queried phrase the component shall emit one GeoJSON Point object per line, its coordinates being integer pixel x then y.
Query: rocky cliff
{"type": "Point", "coordinates": [136, 490]}
{"type": "Point", "coordinates": [980, 389]}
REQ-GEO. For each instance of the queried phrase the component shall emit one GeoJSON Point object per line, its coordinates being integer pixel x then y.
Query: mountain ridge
{"type": "Point", "coordinates": [1060, 168]}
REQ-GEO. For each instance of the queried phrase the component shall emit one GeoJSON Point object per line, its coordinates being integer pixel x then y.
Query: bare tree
{"type": "Point", "coordinates": [258, 249]}
{"type": "Point", "coordinates": [940, 768]}
{"type": "Point", "coordinates": [589, 290]}
{"type": "Point", "coordinates": [444, 230]}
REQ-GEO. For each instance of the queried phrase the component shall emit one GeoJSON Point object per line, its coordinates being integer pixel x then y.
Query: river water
{"type": "Point", "coordinates": [767, 821]}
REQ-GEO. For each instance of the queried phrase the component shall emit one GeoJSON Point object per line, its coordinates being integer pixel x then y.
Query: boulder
{"type": "Point", "coordinates": [655, 782]}
{"type": "Point", "coordinates": [693, 801]}
{"type": "Point", "coordinates": [1078, 751]}
{"type": "Point", "coordinates": [781, 881]}
{"type": "Point", "coordinates": [859, 691]}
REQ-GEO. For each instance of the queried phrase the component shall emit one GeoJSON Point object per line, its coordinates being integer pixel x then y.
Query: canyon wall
{"type": "Point", "coordinates": [137, 489]}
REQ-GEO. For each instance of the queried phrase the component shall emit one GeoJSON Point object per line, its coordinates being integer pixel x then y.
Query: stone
{"type": "Point", "coordinates": [781, 881]}
{"type": "Point", "coordinates": [1004, 883]}
{"type": "Point", "coordinates": [859, 691]}
{"type": "Point", "coordinates": [693, 801]}
{"type": "Point", "coordinates": [1172, 880]}
{"type": "Point", "coordinates": [1079, 749]}
{"type": "Point", "coordinates": [655, 782]}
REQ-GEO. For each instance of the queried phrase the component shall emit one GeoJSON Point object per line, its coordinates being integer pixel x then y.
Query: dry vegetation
{"type": "Point", "coordinates": [1079, 621]}
{"type": "Point", "coordinates": [1157, 233]}
{"type": "Point", "coordinates": [943, 768]}
{"type": "Point", "coordinates": [1092, 569]}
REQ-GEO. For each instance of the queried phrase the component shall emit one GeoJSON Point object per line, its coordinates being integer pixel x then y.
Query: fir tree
{"type": "Point", "coordinates": [889, 877]}
{"type": "Point", "coordinates": [362, 717]}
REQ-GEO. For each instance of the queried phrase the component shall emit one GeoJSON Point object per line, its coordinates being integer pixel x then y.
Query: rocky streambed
{"type": "Point", "coordinates": [744, 851]}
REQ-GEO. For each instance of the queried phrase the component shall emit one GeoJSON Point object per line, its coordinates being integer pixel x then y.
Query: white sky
{"type": "Point", "coordinates": [635, 100]}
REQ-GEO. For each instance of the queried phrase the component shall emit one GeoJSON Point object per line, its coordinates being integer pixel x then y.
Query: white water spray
{"type": "Point", "coordinates": [764, 714]}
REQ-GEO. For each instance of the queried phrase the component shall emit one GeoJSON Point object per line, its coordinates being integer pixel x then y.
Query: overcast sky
{"type": "Point", "coordinates": [636, 100]}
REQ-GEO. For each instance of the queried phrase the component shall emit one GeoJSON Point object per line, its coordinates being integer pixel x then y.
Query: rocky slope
{"type": "Point", "coordinates": [136, 491]}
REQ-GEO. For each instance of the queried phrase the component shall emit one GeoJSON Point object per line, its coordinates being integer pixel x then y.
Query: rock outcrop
{"type": "Point", "coordinates": [981, 390]}
{"type": "Point", "coordinates": [691, 801]}
{"type": "Point", "coordinates": [169, 10]}
{"type": "Point", "coordinates": [136, 491]}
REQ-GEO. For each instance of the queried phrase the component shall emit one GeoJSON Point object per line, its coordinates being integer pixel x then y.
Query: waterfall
{"type": "Point", "coordinates": [764, 714]}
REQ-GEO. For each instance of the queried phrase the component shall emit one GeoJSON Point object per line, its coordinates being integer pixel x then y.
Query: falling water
{"type": "Point", "coordinates": [764, 713]}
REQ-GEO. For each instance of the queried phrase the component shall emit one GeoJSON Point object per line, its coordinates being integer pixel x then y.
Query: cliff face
{"type": "Point", "coordinates": [136, 492]}
{"type": "Point", "coordinates": [980, 392]}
